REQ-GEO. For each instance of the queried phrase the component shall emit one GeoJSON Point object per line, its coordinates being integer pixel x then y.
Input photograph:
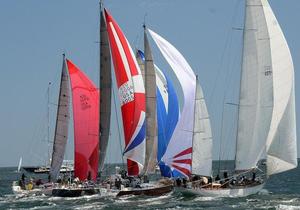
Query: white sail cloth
{"type": "Point", "coordinates": [282, 139]}
{"type": "Point", "coordinates": [178, 154]}
{"type": "Point", "coordinates": [266, 124]}
{"type": "Point", "coordinates": [202, 139]}
{"type": "Point", "coordinates": [256, 100]}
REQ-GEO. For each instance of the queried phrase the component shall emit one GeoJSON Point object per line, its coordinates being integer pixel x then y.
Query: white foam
{"type": "Point", "coordinates": [287, 207]}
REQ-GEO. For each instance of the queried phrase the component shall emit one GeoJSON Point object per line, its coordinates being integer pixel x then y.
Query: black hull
{"type": "Point", "coordinates": [155, 191]}
{"type": "Point", "coordinates": [74, 192]}
{"type": "Point", "coordinates": [30, 169]}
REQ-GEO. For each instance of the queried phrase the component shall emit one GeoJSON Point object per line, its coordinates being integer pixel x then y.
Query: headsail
{"type": "Point", "coordinates": [62, 124]}
{"type": "Point", "coordinates": [178, 155]}
{"type": "Point", "coordinates": [105, 89]}
{"type": "Point", "coordinates": [282, 139]}
{"type": "Point", "coordinates": [202, 139]}
{"type": "Point", "coordinates": [85, 98]}
{"type": "Point", "coordinates": [132, 96]}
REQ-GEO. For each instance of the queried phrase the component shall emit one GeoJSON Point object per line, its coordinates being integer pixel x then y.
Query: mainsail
{"type": "Point", "coordinates": [105, 89]}
{"type": "Point", "coordinates": [202, 138]}
{"type": "Point", "coordinates": [62, 124]}
{"type": "Point", "coordinates": [131, 94]}
{"type": "Point", "coordinates": [85, 98]}
{"type": "Point", "coordinates": [178, 155]}
{"type": "Point", "coordinates": [266, 123]}
{"type": "Point", "coordinates": [151, 121]}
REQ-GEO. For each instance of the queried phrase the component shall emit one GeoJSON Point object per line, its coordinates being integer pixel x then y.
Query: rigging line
{"type": "Point", "coordinates": [223, 52]}
{"type": "Point", "coordinates": [227, 46]}
{"type": "Point", "coordinates": [235, 65]}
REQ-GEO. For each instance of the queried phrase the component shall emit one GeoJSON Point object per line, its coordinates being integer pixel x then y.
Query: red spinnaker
{"type": "Point", "coordinates": [85, 98]}
{"type": "Point", "coordinates": [131, 93]}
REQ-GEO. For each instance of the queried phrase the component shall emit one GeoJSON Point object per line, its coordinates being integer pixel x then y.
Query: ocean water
{"type": "Point", "coordinates": [282, 191]}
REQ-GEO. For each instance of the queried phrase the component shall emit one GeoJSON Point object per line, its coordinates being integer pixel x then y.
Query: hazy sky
{"type": "Point", "coordinates": [34, 34]}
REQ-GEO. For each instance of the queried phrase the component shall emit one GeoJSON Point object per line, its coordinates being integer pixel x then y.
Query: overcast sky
{"type": "Point", "coordinates": [34, 34]}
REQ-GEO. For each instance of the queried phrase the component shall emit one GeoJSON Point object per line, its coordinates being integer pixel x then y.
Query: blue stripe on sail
{"type": "Point", "coordinates": [142, 55]}
{"type": "Point", "coordinates": [138, 139]}
{"type": "Point", "coordinates": [167, 121]}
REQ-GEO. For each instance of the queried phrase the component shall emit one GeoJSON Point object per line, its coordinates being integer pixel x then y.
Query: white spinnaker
{"type": "Point", "coordinates": [282, 140]}
{"type": "Point", "coordinates": [182, 137]}
{"type": "Point", "coordinates": [256, 90]}
{"type": "Point", "coordinates": [202, 139]}
{"type": "Point", "coordinates": [62, 124]}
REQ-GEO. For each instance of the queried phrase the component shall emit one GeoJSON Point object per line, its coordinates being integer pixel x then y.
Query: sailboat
{"type": "Point", "coordinates": [85, 99]}
{"type": "Point", "coordinates": [138, 106]}
{"type": "Point", "coordinates": [60, 138]}
{"type": "Point", "coordinates": [266, 109]}
{"type": "Point", "coordinates": [19, 165]}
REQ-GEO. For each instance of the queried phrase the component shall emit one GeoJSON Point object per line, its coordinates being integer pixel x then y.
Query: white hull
{"type": "Point", "coordinates": [242, 191]}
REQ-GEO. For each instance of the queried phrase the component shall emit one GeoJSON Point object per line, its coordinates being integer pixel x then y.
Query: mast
{"type": "Point", "coordinates": [151, 118]}
{"type": "Point", "coordinates": [105, 89]}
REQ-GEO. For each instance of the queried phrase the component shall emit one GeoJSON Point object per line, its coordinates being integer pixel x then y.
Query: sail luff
{"type": "Point", "coordinates": [151, 119]}
{"type": "Point", "coordinates": [105, 91]}
{"type": "Point", "coordinates": [62, 124]}
{"type": "Point", "coordinates": [202, 136]}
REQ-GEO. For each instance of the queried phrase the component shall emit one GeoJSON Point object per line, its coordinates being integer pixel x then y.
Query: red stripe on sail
{"type": "Point", "coordinates": [184, 152]}
{"type": "Point", "coordinates": [130, 59]}
{"type": "Point", "coordinates": [184, 171]}
{"type": "Point", "coordinates": [131, 109]}
{"type": "Point", "coordinates": [186, 161]}
{"type": "Point", "coordinates": [85, 98]}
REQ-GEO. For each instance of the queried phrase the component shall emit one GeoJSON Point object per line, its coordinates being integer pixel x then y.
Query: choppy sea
{"type": "Point", "coordinates": [282, 191]}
